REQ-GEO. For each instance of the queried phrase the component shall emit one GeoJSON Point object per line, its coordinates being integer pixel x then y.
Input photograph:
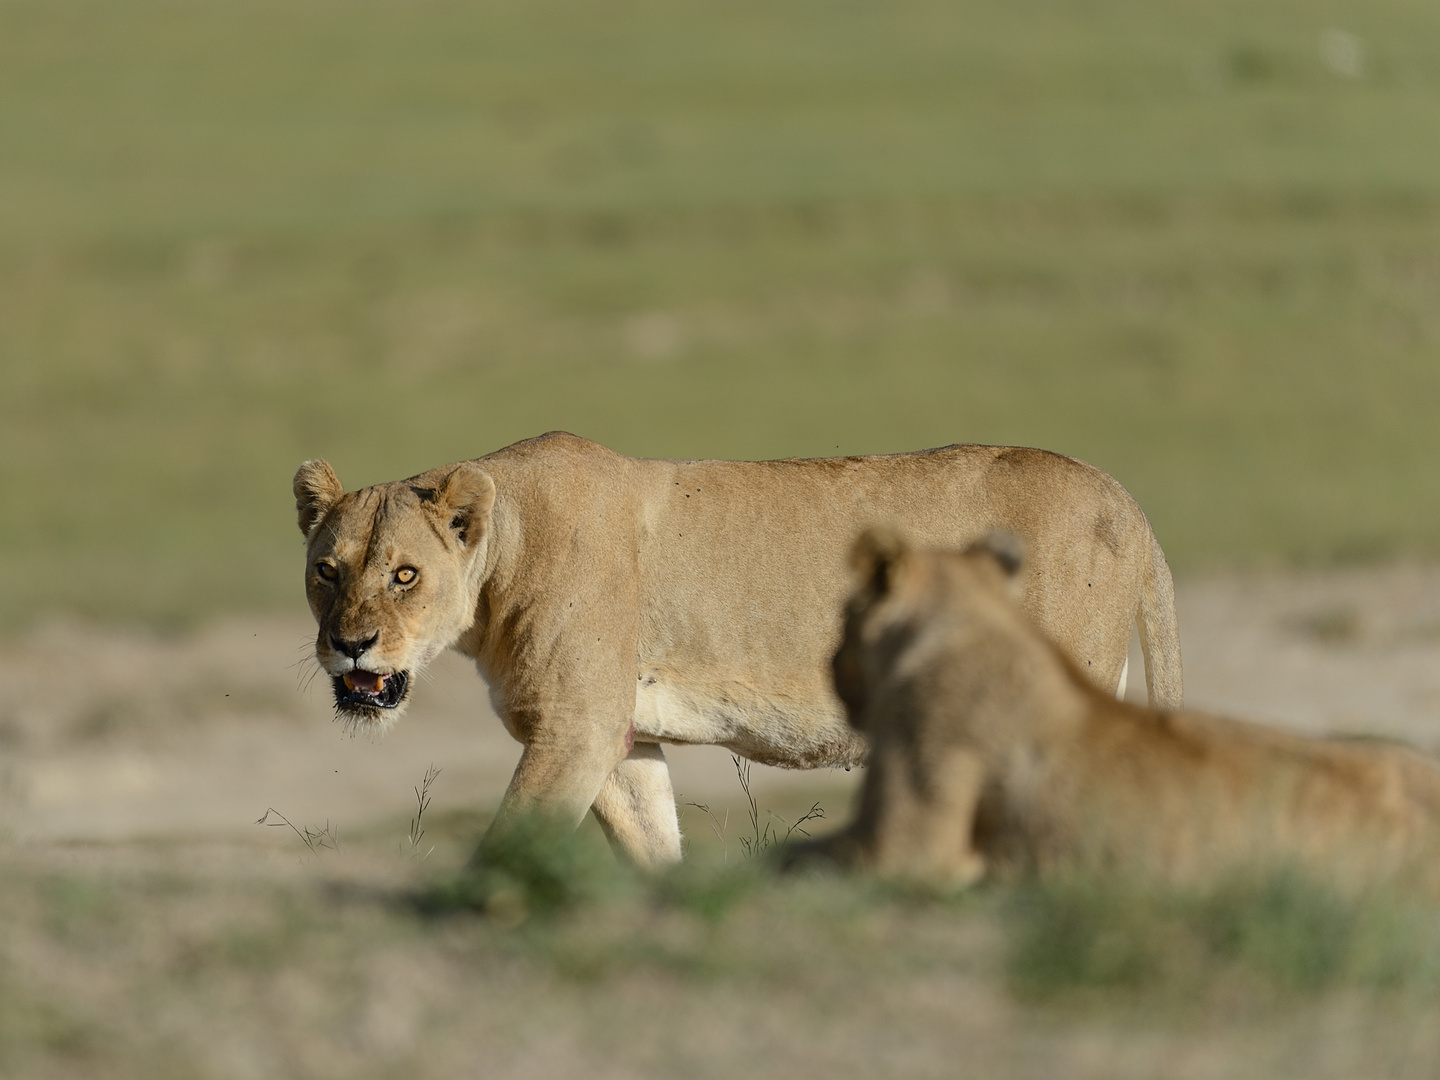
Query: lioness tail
{"type": "Point", "coordinates": [1159, 630]}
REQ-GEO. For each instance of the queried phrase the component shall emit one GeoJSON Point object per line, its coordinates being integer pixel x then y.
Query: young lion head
{"type": "Point", "coordinates": [899, 594]}
{"type": "Point", "coordinates": [921, 652]}
{"type": "Point", "coordinates": [392, 575]}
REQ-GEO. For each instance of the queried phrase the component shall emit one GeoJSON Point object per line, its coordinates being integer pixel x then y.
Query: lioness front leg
{"type": "Point", "coordinates": [557, 778]}
{"type": "Point", "coordinates": [636, 808]}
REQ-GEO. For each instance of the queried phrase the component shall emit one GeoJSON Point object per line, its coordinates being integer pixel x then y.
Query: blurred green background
{"type": "Point", "coordinates": [1196, 242]}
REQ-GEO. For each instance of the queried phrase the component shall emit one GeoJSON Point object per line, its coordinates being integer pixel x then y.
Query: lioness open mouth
{"type": "Point", "coordinates": [362, 691]}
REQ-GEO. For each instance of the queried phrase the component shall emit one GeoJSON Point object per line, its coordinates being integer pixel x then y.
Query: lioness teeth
{"type": "Point", "coordinates": [364, 680]}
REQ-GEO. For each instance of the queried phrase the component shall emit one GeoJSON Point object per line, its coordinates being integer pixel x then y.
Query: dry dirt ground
{"type": "Point", "coordinates": [154, 929]}
{"type": "Point", "coordinates": [108, 733]}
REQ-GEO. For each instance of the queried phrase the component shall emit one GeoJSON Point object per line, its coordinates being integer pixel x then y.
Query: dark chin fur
{"type": "Point", "coordinates": [360, 709]}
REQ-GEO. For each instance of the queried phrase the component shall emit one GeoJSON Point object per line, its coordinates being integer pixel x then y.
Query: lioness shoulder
{"type": "Point", "coordinates": [991, 751]}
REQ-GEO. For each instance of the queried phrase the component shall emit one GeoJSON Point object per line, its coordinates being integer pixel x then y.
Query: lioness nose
{"type": "Point", "coordinates": [353, 649]}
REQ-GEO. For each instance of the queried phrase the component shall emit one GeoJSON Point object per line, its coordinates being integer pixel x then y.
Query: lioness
{"type": "Point", "coordinates": [614, 604]}
{"type": "Point", "coordinates": [991, 749]}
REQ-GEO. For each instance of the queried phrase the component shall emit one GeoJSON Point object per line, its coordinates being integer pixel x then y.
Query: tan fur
{"type": "Point", "coordinates": [991, 750]}
{"type": "Point", "coordinates": [615, 604]}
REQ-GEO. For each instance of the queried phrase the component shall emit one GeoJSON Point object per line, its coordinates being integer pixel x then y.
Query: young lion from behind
{"type": "Point", "coordinates": [991, 751]}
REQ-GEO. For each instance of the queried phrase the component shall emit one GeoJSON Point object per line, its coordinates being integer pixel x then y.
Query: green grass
{"type": "Point", "coordinates": [1069, 940]}
{"type": "Point", "coordinates": [1160, 236]}
{"type": "Point", "coordinates": [1278, 931]}
{"type": "Point", "coordinates": [196, 960]}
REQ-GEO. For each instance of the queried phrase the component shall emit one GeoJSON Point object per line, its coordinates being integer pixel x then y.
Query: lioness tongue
{"type": "Point", "coordinates": [368, 681]}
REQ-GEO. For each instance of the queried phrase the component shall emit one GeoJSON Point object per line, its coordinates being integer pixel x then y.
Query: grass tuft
{"type": "Point", "coordinates": [417, 823]}
{"type": "Point", "coordinates": [315, 839]}
{"type": "Point", "coordinates": [536, 866]}
{"type": "Point", "coordinates": [710, 891]}
{"type": "Point", "coordinates": [1278, 929]}
{"type": "Point", "coordinates": [764, 837]}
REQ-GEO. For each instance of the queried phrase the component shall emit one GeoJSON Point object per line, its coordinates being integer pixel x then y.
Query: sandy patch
{"type": "Point", "coordinates": [107, 733]}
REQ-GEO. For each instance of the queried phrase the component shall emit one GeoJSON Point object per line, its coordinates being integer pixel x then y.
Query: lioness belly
{"type": "Point", "coordinates": [790, 734]}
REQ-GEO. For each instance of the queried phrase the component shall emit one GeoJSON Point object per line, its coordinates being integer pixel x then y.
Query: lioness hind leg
{"type": "Point", "coordinates": [636, 808]}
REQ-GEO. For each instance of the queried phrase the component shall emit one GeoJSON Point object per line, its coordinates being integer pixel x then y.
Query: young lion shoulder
{"type": "Point", "coordinates": [992, 752]}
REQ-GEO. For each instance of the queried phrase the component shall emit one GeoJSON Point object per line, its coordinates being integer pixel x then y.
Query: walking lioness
{"type": "Point", "coordinates": [990, 749]}
{"type": "Point", "coordinates": [614, 604]}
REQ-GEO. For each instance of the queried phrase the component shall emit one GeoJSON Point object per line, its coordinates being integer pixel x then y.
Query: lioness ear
{"type": "Point", "coordinates": [466, 497]}
{"type": "Point", "coordinates": [317, 489]}
{"type": "Point", "coordinates": [1005, 548]}
{"type": "Point", "coordinates": [874, 556]}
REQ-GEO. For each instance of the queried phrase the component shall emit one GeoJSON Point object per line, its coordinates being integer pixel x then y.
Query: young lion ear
{"type": "Point", "coordinates": [874, 556]}
{"type": "Point", "coordinates": [467, 494]}
{"type": "Point", "coordinates": [317, 489]}
{"type": "Point", "coordinates": [1005, 548]}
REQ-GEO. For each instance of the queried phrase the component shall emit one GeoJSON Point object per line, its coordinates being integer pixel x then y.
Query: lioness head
{"type": "Point", "coordinates": [392, 575]}
{"type": "Point", "coordinates": [899, 594]}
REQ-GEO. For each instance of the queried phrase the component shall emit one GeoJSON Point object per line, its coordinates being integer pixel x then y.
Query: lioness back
{"type": "Point", "coordinates": [614, 604]}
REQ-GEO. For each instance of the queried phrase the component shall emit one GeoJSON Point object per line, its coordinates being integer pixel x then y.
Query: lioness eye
{"type": "Point", "coordinates": [405, 575]}
{"type": "Point", "coordinates": [327, 570]}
